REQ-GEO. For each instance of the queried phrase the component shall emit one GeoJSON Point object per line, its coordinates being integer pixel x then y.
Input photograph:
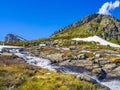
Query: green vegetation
{"type": "Point", "coordinates": [28, 43]}
{"type": "Point", "coordinates": [80, 45]}
{"type": "Point", "coordinates": [15, 74]}
{"type": "Point", "coordinates": [20, 77]}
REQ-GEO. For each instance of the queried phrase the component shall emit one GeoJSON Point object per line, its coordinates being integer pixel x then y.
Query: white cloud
{"type": "Point", "coordinates": [108, 6]}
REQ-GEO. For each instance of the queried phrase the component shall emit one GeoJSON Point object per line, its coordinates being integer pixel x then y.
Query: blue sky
{"type": "Point", "coordinates": [34, 19]}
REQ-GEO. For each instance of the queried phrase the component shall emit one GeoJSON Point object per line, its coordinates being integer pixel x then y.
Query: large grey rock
{"type": "Point", "coordinates": [57, 57]}
{"type": "Point", "coordinates": [109, 67]}
{"type": "Point", "coordinates": [82, 56]}
{"type": "Point", "coordinates": [115, 73]}
{"type": "Point", "coordinates": [102, 74]}
{"type": "Point", "coordinates": [88, 78]}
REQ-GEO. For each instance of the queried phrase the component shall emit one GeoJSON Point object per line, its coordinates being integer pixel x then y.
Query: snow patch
{"type": "Point", "coordinates": [97, 39]}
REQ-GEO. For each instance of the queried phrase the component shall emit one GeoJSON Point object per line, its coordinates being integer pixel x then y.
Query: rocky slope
{"type": "Point", "coordinates": [13, 38]}
{"type": "Point", "coordinates": [79, 61]}
{"type": "Point", "coordinates": [106, 27]}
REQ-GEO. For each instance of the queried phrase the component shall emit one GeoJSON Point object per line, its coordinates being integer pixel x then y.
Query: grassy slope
{"type": "Point", "coordinates": [26, 77]}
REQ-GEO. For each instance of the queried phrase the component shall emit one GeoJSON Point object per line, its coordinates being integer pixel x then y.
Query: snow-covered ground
{"type": "Point", "coordinates": [9, 47]}
{"type": "Point", "coordinates": [97, 39]}
{"type": "Point", "coordinates": [5, 46]}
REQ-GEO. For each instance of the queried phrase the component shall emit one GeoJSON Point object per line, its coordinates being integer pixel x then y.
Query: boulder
{"type": "Point", "coordinates": [73, 58]}
{"type": "Point", "coordinates": [115, 73]}
{"type": "Point", "coordinates": [109, 67]}
{"type": "Point", "coordinates": [57, 57]}
{"type": "Point", "coordinates": [82, 56]}
{"type": "Point", "coordinates": [88, 78]}
{"type": "Point", "coordinates": [98, 55]}
{"type": "Point", "coordinates": [103, 61]}
{"type": "Point", "coordinates": [94, 81]}
{"type": "Point", "coordinates": [102, 74]}
{"type": "Point", "coordinates": [96, 70]}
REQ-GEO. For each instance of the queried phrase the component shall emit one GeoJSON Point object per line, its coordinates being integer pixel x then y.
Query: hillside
{"type": "Point", "coordinates": [107, 27]}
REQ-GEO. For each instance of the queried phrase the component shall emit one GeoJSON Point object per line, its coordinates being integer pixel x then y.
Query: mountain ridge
{"type": "Point", "coordinates": [105, 26]}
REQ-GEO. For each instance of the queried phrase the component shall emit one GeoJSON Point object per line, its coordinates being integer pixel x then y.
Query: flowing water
{"type": "Point", "coordinates": [113, 85]}
{"type": "Point", "coordinates": [47, 64]}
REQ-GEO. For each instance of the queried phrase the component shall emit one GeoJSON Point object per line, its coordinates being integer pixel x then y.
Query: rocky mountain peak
{"type": "Point", "coordinates": [13, 38]}
{"type": "Point", "coordinates": [105, 26]}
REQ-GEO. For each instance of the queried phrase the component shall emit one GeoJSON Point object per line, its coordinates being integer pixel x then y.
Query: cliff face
{"type": "Point", "coordinates": [13, 38]}
{"type": "Point", "coordinates": [106, 27]}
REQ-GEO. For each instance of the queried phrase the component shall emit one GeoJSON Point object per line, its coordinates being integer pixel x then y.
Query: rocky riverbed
{"type": "Point", "coordinates": [90, 61]}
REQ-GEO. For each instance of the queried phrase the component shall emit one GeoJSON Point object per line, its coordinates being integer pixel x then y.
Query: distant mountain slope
{"type": "Point", "coordinates": [13, 38]}
{"type": "Point", "coordinates": [107, 27]}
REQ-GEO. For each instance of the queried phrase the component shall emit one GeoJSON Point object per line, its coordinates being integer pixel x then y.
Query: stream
{"type": "Point", "coordinates": [47, 64]}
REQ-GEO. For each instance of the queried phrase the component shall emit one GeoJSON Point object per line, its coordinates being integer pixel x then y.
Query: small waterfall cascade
{"type": "Point", "coordinates": [47, 64]}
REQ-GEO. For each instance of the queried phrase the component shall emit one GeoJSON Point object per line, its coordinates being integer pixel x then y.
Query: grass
{"type": "Point", "coordinates": [55, 81]}
{"type": "Point", "coordinates": [115, 59]}
{"type": "Point", "coordinates": [24, 78]}
{"type": "Point", "coordinates": [17, 76]}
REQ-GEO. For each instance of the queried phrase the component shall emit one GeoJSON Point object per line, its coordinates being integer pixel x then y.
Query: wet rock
{"type": "Point", "coordinates": [33, 62]}
{"type": "Point", "coordinates": [102, 87]}
{"type": "Point", "coordinates": [94, 81]}
{"type": "Point", "coordinates": [88, 78]}
{"type": "Point", "coordinates": [102, 74]}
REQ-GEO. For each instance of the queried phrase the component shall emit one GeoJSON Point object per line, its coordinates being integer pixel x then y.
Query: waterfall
{"type": "Point", "coordinates": [47, 64]}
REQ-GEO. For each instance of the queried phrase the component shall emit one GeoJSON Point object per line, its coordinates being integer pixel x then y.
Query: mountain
{"type": "Point", "coordinates": [13, 38]}
{"type": "Point", "coordinates": [106, 27]}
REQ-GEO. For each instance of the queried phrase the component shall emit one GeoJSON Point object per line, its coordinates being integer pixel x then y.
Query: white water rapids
{"type": "Point", "coordinates": [46, 64]}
